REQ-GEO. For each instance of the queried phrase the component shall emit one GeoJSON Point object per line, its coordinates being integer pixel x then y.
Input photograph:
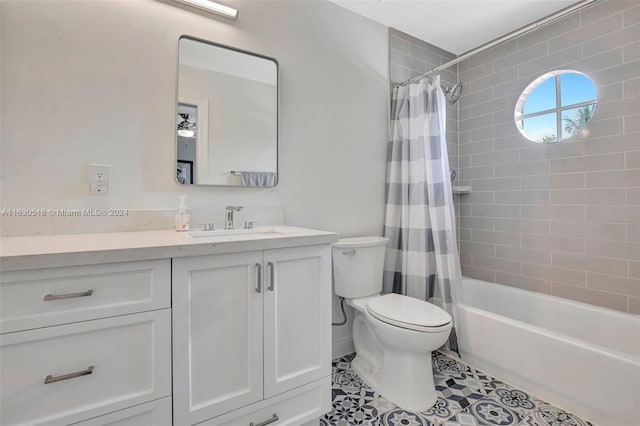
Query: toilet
{"type": "Point", "coordinates": [393, 334]}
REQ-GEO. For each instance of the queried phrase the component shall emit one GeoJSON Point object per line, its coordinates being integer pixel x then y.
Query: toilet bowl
{"type": "Point", "coordinates": [393, 334]}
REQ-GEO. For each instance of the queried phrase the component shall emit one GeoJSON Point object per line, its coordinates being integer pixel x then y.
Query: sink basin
{"type": "Point", "coordinates": [257, 232]}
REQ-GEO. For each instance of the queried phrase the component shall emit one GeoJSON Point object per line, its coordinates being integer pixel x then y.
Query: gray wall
{"type": "Point", "coordinates": [561, 219]}
{"type": "Point", "coordinates": [409, 57]}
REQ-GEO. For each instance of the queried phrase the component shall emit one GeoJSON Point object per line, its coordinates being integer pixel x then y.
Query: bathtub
{"type": "Point", "coordinates": [579, 357]}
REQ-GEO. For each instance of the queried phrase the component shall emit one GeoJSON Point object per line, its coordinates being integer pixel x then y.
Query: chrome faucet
{"type": "Point", "coordinates": [228, 214]}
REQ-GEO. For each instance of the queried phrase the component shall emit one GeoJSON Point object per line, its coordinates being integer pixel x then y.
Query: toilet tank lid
{"type": "Point", "coordinates": [361, 242]}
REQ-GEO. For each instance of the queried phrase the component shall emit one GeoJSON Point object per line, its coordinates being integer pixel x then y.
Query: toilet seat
{"type": "Point", "coordinates": [408, 312]}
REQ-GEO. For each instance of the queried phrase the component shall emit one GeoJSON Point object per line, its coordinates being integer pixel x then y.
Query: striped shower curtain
{"type": "Point", "coordinates": [422, 257]}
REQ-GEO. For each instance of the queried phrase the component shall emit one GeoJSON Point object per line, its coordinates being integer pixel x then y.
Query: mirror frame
{"type": "Point", "coordinates": [177, 103]}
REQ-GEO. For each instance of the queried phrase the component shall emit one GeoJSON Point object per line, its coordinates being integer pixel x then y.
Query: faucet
{"type": "Point", "coordinates": [228, 213]}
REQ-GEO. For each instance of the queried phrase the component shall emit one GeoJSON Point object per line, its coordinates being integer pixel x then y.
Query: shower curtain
{"type": "Point", "coordinates": [422, 257]}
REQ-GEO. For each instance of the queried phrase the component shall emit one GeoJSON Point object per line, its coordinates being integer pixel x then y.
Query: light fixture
{"type": "Point", "coordinates": [186, 129]}
{"type": "Point", "coordinates": [211, 6]}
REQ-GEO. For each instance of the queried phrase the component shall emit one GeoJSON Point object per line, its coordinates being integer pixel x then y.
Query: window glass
{"type": "Point", "coordinates": [542, 98]}
{"type": "Point", "coordinates": [541, 128]}
{"type": "Point", "coordinates": [574, 120]}
{"type": "Point", "coordinates": [540, 118]}
{"type": "Point", "coordinates": [576, 88]}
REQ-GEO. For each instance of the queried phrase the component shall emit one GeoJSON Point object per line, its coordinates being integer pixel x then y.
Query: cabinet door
{"type": "Point", "coordinates": [297, 317]}
{"type": "Point", "coordinates": [217, 335]}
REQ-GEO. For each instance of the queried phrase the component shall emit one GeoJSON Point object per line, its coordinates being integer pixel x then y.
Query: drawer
{"type": "Point", "coordinates": [53, 296]}
{"type": "Point", "coordinates": [154, 413]}
{"type": "Point", "coordinates": [68, 373]}
{"type": "Point", "coordinates": [292, 408]}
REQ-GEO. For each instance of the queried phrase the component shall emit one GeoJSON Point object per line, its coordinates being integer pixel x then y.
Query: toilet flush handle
{"type": "Point", "coordinates": [349, 252]}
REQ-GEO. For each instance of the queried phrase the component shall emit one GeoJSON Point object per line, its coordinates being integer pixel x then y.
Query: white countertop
{"type": "Point", "coordinates": [18, 253]}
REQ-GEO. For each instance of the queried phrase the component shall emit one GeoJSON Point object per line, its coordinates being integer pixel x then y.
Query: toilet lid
{"type": "Point", "coordinates": [407, 311]}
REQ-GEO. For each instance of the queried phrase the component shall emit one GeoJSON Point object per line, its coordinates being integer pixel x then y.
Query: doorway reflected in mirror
{"type": "Point", "coordinates": [227, 115]}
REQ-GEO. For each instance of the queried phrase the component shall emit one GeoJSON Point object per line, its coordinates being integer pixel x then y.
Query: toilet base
{"type": "Point", "coordinates": [406, 379]}
{"type": "Point", "coordinates": [396, 362]}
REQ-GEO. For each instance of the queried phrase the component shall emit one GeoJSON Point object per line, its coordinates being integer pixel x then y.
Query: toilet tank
{"type": "Point", "coordinates": [357, 266]}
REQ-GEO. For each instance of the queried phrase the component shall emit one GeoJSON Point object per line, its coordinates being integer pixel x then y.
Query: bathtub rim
{"type": "Point", "coordinates": [550, 297]}
{"type": "Point", "coordinates": [621, 356]}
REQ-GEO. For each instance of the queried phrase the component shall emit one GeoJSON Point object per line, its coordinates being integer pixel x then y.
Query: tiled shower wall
{"type": "Point", "coordinates": [562, 219]}
{"type": "Point", "coordinates": [409, 57]}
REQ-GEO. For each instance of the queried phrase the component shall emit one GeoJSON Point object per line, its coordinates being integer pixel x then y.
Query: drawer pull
{"type": "Point", "coordinates": [50, 297]}
{"type": "Point", "coordinates": [266, 422]}
{"type": "Point", "coordinates": [259, 278]}
{"type": "Point", "coordinates": [272, 280]}
{"type": "Point", "coordinates": [53, 379]}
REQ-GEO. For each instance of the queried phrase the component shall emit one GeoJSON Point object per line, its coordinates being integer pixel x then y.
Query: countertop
{"type": "Point", "coordinates": [20, 253]}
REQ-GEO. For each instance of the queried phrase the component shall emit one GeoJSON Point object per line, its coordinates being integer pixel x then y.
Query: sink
{"type": "Point", "coordinates": [256, 232]}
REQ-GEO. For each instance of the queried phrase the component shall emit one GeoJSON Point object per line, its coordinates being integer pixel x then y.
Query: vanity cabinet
{"type": "Point", "coordinates": [160, 328]}
{"type": "Point", "coordinates": [81, 342]}
{"type": "Point", "coordinates": [251, 336]}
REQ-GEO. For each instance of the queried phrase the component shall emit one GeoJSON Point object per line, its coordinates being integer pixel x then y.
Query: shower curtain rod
{"type": "Point", "coordinates": [567, 11]}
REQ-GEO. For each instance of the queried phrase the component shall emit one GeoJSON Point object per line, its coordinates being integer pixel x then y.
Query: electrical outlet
{"type": "Point", "coordinates": [99, 179]}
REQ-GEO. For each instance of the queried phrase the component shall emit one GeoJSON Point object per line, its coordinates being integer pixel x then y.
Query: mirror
{"type": "Point", "coordinates": [227, 116]}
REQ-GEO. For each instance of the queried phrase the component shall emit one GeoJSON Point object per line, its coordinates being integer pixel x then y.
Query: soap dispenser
{"type": "Point", "coordinates": [183, 217]}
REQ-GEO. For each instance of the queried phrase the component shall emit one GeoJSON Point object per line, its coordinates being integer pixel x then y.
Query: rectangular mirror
{"type": "Point", "coordinates": [227, 116]}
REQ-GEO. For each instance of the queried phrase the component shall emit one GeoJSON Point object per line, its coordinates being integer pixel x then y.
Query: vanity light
{"type": "Point", "coordinates": [211, 6]}
{"type": "Point", "coordinates": [186, 129]}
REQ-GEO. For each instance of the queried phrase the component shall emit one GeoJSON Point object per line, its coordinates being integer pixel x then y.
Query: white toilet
{"type": "Point", "coordinates": [393, 334]}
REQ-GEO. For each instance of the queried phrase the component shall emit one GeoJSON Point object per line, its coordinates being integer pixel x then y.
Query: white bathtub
{"type": "Point", "coordinates": [579, 357]}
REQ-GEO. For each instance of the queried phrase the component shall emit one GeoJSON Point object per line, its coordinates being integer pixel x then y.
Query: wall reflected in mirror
{"type": "Point", "coordinates": [227, 116]}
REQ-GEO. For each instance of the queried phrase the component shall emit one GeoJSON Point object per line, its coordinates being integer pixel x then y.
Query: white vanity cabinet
{"type": "Point", "coordinates": [82, 341]}
{"type": "Point", "coordinates": [161, 328]}
{"type": "Point", "coordinates": [251, 337]}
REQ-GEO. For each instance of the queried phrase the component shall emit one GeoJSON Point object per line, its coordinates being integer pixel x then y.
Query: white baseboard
{"type": "Point", "coordinates": [342, 348]}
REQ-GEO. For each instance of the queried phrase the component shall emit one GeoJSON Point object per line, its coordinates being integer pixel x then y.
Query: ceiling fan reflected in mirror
{"type": "Point", "coordinates": [186, 128]}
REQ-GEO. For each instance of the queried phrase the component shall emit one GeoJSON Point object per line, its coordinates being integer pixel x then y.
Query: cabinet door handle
{"type": "Point", "coordinates": [259, 278]}
{"type": "Point", "coordinates": [50, 297]}
{"type": "Point", "coordinates": [274, 418]}
{"type": "Point", "coordinates": [272, 273]}
{"type": "Point", "coordinates": [53, 379]}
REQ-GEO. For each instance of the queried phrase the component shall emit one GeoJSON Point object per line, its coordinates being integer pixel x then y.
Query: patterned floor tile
{"type": "Point", "coordinates": [466, 397]}
{"type": "Point", "coordinates": [516, 400]}
{"type": "Point", "coordinates": [400, 417]}
{"type": "Point", "coordinates": [460, 392]}
{"type": "Point", "coordinates": [491, 412]}
{"type": "Point", "coordinates": [343, 363]}
{"type": "Point", "coordinates": [447, 366]}
{"type": "Point", "coordinates": [348, 381]}
{"type": "Point", "coordinates": [367, 396]}
{"type": "Point", "coordinates": [547, 415]}
{"type": "Point", "coordinates": [442, 410]}
{"type": "Point", "coordinates": [347, 411]}
{"type": "Point", "coordinates": [463, 418]}
{"type": "Point", "coordinates": [448, 371]}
